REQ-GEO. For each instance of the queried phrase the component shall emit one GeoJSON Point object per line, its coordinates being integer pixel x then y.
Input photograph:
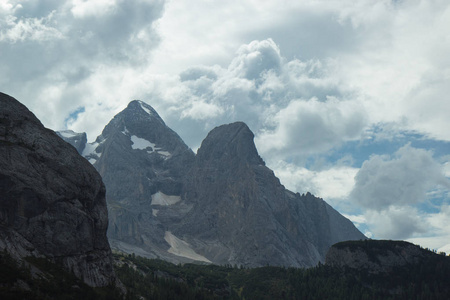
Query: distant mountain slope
{"type": "Point", "coordinates": [222, 205]}
{"type": "Point", "coordinates": [78, 140]}
{"type": "Point", "coordinates": [52, 201]}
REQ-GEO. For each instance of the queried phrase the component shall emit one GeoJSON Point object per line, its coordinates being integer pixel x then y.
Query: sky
{"type": "Point", "coordinates": [348, 100]}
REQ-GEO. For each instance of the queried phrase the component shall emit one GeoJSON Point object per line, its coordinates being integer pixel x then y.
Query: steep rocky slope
{"type": "Point", "coordinates": [142, 162]}
{"type": "Point", "coordinates": [243, 215]}
{"type": "Point", "coordinates": [52, 201]}
{"type": "Point", "coordinates": [222, 205]}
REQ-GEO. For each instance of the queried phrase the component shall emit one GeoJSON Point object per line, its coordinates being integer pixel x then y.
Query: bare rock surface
{"type": "Point", "coordinates": [242, 213]}
{"type": "Point", "coordinates": [52, 201]}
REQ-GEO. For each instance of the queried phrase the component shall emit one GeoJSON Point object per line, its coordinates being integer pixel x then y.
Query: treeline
{"type": "Point", "coordinates": [156, 279]}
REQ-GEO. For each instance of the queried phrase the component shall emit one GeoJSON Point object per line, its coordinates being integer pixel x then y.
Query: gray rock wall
{"type": "Point", "coordinates": [52, 201]}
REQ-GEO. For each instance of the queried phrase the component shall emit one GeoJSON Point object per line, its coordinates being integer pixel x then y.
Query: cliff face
{"type": "Point", "coordinates": [52, 201]}
{"type": "Point", "coordinates": [141, 161]}
{"type": "Point", "coordinates": [376, 257]}
{"type": "Point", "coordinates": [242, 213]}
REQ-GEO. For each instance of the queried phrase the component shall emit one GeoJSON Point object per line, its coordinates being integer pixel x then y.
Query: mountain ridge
{"type": "Point", "coordinates": [222, 205]}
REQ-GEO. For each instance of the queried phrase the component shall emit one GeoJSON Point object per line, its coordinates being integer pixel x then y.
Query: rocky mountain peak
{"type": "Point", "coordinates": [142, 109]}
{"type": "Point", "coordinates": [133, 119]}
{"type": "Point", "coordinates": [230, 141]}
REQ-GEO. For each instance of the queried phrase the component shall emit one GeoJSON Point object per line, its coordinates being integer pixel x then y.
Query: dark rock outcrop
{"type": "Point", "coordinates": [52, 201]}
{"type": "Point", "coordinates": [376, 256]}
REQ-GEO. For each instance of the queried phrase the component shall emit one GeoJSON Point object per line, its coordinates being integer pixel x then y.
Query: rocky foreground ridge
{"type": "Point", "coordinates": [222, 205]}
{"type": "Point", "coordinates": [52, 201]}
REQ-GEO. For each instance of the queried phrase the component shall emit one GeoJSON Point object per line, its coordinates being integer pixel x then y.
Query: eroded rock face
{"type": "Point", "coordinates": [52, 201]}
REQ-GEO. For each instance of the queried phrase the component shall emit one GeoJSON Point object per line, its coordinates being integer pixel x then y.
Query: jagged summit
{"type": "Point", "coordinates": [138, 106]}
{"type": "Point", "coordinates": [230, 140]}
{"type": "Point", "coordinates": [136, 115]}
{"type": "Point", "coordinates": [138, 127]}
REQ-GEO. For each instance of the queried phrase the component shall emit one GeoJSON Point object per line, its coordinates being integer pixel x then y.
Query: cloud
{"type": "Point", "coordinates": [399, 193]}
{"type": "Point", "coordinates": [33, 29]}
{"type": "Point", "coordinates": [333, 183]}
{"type": "Point", "coordinates": [313, 126]}
{"type": "Point", "coordinates": [403, 179]}
{"type": "Point", "coordinates": [400, 66]}
{"type": "Point", "coordinates": [438, 234]}
{"type": "Point", "coordinates": [256, 58]}
{"type": "Point", "coordinates": [294, 107]}
{"type": "Point", "coordinates": [62, 55]}
{"type": "Point", "coordinates": [396, 222]}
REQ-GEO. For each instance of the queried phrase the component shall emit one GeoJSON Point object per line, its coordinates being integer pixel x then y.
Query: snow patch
{"type": "Point", "coordinates": [68, 133]}
{"type": "Point", "coordinates": [155, 212]}
{"type": "Point", "coordinates": [89, 150]}
{"type": "Point", "coordinates": [164, 153]}
{"type": "Point", "coordinates": [92, 160]}
{"type": "Point", "coordinates": [163, 199]}
{"type": "Point", "coordinates": [125, 131]}
{"type": "Point", "coordinates": [141, 144]}
{"type": "Point", "coordinates": [145, 108]}
{"type": "Point", "coordinates": [181, 248]}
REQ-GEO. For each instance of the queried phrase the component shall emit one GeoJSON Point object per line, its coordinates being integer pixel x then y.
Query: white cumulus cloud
{"type": "Point", "coordinates": [402, 179]}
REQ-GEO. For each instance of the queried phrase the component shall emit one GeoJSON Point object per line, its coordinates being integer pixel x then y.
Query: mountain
{"type": "Point", "coordinates": [78, 140]}
{"type": "Point", "coordinates": [142, 163]}
{"type": "Point", "coordinates": [222, 205]}
{"type": "Point", "coordinates": [52, 201]}
{"type": "Point", "coordinates": [243, 215]}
